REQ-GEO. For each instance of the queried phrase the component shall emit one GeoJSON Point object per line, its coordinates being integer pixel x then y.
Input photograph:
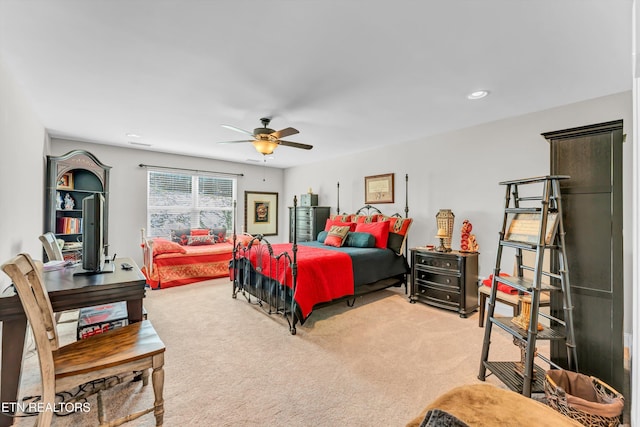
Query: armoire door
{"type": "Point", "coordinates": [592, 216]}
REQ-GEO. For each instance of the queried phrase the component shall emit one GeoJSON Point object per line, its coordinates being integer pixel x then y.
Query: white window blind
{"type": "Point", "coordinates": [182, 200]}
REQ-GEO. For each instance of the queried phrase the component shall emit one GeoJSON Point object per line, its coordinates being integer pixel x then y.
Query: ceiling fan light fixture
{"type": "Point", "coordinates": [264, 147]}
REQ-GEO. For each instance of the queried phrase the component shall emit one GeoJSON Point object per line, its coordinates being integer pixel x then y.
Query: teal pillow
{"type": "Point", "coordinates": [359, 239]}
{"type": "Point", "coordinates": [322, 236]}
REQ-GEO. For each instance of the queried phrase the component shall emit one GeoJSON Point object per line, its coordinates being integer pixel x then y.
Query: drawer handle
{"type": "Point", "coordinates": [448, 297]}
{"type": "Point", "coordinates": [448, 264]}
{"type": "Point", "coordinates": [448, 280]}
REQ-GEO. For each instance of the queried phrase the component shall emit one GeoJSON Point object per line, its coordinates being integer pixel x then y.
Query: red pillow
{"type": "Point", "coordinates": [380, 231]}
{"type": "Point", "coordinates": [164, 246]}
{"type": "Point", "coordinates": [331, 222]}
{"type": "Point", "coordinates": [199, 231]}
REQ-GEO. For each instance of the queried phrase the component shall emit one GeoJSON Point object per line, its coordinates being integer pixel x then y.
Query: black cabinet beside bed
{"type": "Point", "coordinates": [308, 222]}
{"type": "Point", "coordinates": [445, 279]}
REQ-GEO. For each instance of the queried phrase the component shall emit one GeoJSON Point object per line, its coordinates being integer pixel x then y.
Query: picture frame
{"type": "Point", "coordinates": [524, 227]}
{"type": "Point", "coordinates": [65, 182]}
{"type": "Point", "coordinates": [379, 189]}
{"type": "Point", "coordinates": [261, 213]}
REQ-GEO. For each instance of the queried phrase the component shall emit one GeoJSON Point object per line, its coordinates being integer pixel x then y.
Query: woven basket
{"type": "Point", "coordinates": [599, 406]}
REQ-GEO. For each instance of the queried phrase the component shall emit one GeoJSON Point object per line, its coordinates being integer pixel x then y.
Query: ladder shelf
{"type": "Point", "coordinates": [532, 224]}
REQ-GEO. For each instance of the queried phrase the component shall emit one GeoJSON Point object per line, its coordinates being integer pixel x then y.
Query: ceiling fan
{"type": "Point", "coordinates": [266, 140]}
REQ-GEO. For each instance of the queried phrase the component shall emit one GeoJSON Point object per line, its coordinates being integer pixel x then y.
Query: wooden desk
{"type": "Point", "coordinates": [66, 292]}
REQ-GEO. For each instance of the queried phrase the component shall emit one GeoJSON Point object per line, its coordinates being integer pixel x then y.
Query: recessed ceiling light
{"type": "Point", "coordinates": [132, 135]}
{"type": "Point", "coordinates": [479, 94]}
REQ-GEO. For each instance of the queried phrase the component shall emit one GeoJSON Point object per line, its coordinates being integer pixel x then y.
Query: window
{"type": "Point", "coordinates": [179, 200]}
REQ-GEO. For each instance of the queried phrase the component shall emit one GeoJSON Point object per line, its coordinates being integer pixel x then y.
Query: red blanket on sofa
{"type": "Point", "coordinates": [323, 275]}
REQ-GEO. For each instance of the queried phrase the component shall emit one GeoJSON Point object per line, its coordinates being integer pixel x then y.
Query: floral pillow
{"type": "Point", "coordinates": [220, 234]}
{"type": "Point", "coordinates": [201, 240]}
{"type": "Point", "coordinates": [180, 235]}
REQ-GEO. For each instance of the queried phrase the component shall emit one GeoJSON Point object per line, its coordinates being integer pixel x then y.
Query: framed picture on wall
{"type": "Point", "coordinates": [378, 189]}
{"type": "Point", "coordinates": [261, 213]}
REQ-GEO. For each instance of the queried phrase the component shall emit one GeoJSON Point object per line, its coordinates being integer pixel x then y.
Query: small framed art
{"type": "Point", "coordinates": [378, 189]}
{"type": "Point", "coordinates": [261, 213]}
{"type": "Point", "coordinates": [65, 182]}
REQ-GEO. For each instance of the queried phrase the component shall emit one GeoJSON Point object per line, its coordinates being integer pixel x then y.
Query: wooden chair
{"type": "Point", "coordinates": [51, 247]}
{"type": "Point", "coordinates": [135, 347]}
{"type": "Point", "coordinates": [54, 253]}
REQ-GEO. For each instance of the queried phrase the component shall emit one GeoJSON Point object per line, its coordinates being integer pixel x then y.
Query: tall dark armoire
{"type": "Point", "coordinates": [592, 215]}
{"type": "Point", "coordinates": [74, 176]}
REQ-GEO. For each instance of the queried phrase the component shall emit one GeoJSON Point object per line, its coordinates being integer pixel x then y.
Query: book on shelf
{"type": "Point", "coordinates": [69, 225]}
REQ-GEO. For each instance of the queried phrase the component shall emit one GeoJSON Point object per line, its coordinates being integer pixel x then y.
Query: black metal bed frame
{"type": "Point", "coordinates": [255, 282]}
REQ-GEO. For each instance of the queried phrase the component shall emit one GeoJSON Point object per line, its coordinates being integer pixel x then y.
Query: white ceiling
{"type": "Point", "coordinates": [350, 75]}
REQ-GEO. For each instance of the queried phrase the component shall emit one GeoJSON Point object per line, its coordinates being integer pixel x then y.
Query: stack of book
{"type": "Point", "coordinates": [69, 225]}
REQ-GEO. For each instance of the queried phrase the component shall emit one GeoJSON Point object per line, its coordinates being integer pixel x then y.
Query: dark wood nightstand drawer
{"type": "Point", "coordinates": [442, 279]}
{"type": "Point", "coordinates": [448, 263]}
{"type": "Point", "coordinates": [439, 294]}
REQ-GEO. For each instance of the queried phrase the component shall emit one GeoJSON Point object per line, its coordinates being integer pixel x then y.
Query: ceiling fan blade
{"type": "Point", "coordinates": [233, 142]}
{"type": "Point", "coordinates": [285, 132]}
{"type": "Point", "coordinates": [295, 145]}
{"type": "Point", "coordinates": [237, 129]}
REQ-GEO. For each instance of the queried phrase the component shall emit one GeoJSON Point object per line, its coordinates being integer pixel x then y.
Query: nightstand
{"type": "Point", "coordinates": [445, 279]}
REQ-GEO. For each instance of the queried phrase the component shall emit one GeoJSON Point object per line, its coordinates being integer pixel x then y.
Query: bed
{"type": "Point", "coordinates": [293, 279]}
{"type": "Point", "coordinates": [184, 258]}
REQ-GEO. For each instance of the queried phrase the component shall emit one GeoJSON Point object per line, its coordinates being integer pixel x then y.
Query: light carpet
{"type": "Point", "coordinates": [227, 363]}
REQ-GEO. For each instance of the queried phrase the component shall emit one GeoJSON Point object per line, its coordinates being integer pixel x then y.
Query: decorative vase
{"type": "Point", "coordinates": [445, 220]}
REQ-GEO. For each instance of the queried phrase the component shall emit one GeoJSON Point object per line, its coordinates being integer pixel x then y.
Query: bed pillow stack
{"type": "Point", "coordinates": [394, 237]}
{"type": "Point", "coordinates": [199, 236]}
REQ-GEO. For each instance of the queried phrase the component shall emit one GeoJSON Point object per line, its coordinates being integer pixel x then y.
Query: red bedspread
{"type": "Point", "coordinates": [323, 275]}
{"type": "Point", "coordinates": [198, 264]}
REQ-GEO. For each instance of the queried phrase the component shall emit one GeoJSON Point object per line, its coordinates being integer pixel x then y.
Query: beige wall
{"type": "Point", "coordinates": [22, 146]}
{"type": "Point", "coordinates": [128, 188]}
{"type": "Point", "coordinates": [461, 170]}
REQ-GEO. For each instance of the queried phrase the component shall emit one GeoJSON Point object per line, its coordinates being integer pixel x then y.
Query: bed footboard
{"type": "Point", "coordinates": [265, 279]}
